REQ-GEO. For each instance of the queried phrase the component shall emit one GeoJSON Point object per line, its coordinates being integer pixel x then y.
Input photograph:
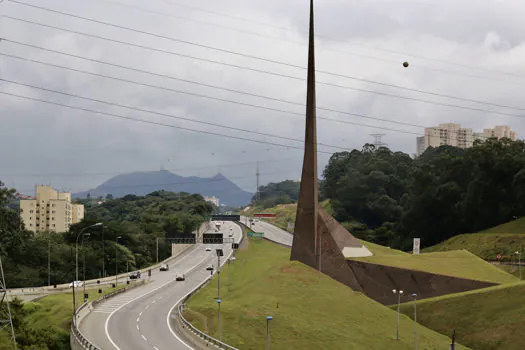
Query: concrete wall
{"type": "Point", "coordinates": [377, 282]}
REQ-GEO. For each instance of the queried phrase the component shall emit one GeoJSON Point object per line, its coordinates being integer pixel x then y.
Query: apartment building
{"type": "Point", "coordinates": [454, 135]}
{"type": "Point", "coordinates": [50, 211]}
{"type": "Point", "coordinates": [212, 200]}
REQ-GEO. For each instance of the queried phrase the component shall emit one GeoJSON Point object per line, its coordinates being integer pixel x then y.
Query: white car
{"type": "Point", "coordinates": [208, 249]}
{"type": "Point", "coordinates": [180, 277]}
{"type": "Point", "coordinates": [76, 283]}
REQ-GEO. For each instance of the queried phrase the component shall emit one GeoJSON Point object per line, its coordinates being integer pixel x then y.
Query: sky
{"type": "Point", "coordinates": [234, 71]}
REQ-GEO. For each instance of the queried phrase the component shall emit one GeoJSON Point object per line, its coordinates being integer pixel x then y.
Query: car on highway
{"type": "Point", "coordinates": [180, 277]}
{"type": "Point", "coordinates": [230, 235]}
{"type": "Point", "coordinates": [210, 268]}
{"type": "Point", "coordinates": [208, 249]}
{"type": "Point", "coordinates": [76, 283]}
{"type": "Point", "coordinates": [134, 275]}
{"type": "Point", "coordinates": [164, 267]}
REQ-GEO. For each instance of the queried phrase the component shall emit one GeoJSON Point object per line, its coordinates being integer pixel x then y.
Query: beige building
{"type": "Point", "coordinates": [454, 135]}
{"type": "Point", "coordinates": [212, 200]}
{"type": "Point", "coordinates": [50, 211]}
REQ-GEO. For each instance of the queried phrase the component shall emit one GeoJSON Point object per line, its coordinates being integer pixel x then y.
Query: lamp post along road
{"type": "Point", "coordinates": [49, 259]}
{"type": "Point", "coordinates": [399, 293]}
{"type": "Point", "coordinates": [116, 260]}
{"type": "Point", "coordinates": [103, 254]}
{"type": "Point", "coordinates": [268, 319]}
{"type": "Point", "coordinates": [518, 253]}
{"type": "Point", "coordinates": [84, 266]}
{"type": "Point", "coordinates": [76, 262]}
{"type": "Point", "coordinates": [415, 320]}
{"type": "Point", "coordinates": [219, 319]}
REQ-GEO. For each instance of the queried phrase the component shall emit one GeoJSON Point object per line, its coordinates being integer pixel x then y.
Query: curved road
{"type": "Point", "coordinates": [271, 232]}
{"type": "Point", "coordinates": [139, 319]}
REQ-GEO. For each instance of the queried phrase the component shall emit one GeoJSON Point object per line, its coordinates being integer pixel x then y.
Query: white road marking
{"type": "Point", "coordinates": [138, 318]}
{"type": "Point", "coordinates": [141, 313]}
{"type": "Point", "coordinates": [147, 306]}
{"type": "Point", "coordinates": [184, 297]}
{"type": "Point", "coordinates": [138, 329]}
{"type": "Point", "coordinates": [155, 348]}
{"type": "Point", "coordinates": [143, 337]}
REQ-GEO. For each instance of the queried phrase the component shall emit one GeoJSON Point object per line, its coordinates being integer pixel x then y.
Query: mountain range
{"type": "Point", "coordinates": [142, 183]}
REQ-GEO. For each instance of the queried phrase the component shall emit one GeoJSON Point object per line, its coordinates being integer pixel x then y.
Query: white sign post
{"type": "Point", "coordinates": [417, 244]}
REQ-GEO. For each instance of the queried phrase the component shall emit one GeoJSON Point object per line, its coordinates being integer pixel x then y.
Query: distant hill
{"type": "Point", "coordinates": [142, 183]}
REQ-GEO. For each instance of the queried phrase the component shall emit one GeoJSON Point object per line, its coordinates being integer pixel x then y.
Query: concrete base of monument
{"type": "Point", "coordinates": [356, 252]}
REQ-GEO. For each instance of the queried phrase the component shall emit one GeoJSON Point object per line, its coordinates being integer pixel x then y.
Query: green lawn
{"type": "Point", "coordinates": [459, 263]}
{"type": "Point", "coordinates": [308, 313]}
{"type": "Point", "coordinates": [379, 250]}
{"type": "Point", "coordinates": [502, 240]}
{"type": "Point", "coordinates": [49, 319]}
{"type": "Point", "coordinates": [485, 319]}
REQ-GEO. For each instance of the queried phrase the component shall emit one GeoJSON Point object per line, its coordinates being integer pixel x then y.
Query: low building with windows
{"type": "Point", "coordinates": [212, 200]}
{"type": "Point", "coordinates": [50, 210]}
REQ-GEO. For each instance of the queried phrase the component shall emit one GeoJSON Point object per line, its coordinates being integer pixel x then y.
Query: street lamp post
{"type": "Point", "coordinates": [268, 319]}
{"type": "Point", "coordinates": [49, 258]}
{"type": "Point", "coordinates": [399, 294]}
{"type": "Point", "coordinates": [518, 253]}
{"type": "Point", "coordinates": [219, 254]}
{"type": "Point", "coordinates": [103, 254]}
{"type": "Point", "coordinates": [116, 260]}
{"type": "Point", "coordinates": [219, 318]}
{"type": "Point", "coordinates": [84, 265]}
{"type": "Point", "coordinates": [76, 261]}
{"type": "Point", "coordinates": [415, 320]}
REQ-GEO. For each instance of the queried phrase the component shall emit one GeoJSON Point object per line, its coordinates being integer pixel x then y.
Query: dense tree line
{"type": "Point", "coordinates": [138, 220]}
{"type": "Point", "coordinates": [285, 192]}
{"type": "Point", "coordinates": [389, 198]}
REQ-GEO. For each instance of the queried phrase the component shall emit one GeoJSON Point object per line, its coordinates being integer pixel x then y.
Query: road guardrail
{"type": "Point", "coordinates": [77, 339]}
{"type": "Point", "coordinates": [192, 328]}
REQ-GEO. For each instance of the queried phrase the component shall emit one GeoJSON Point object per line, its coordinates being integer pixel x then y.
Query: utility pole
{"type": "Point", "coordinates": [257, 195]}
{"type": "Point", "coordinates": [49, 259]}
{"type": "Point", "coordinates": [103, 254]}
{"type": "Point", "coordinates": [6, 319]}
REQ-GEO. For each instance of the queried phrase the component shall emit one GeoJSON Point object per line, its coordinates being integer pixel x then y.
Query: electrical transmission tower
{"type": "Point", "coordinates": [6, 320]}
{"type": "Point", "coordinates": [378, 140]}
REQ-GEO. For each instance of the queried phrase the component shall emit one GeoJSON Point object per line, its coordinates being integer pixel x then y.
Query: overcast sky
{"type": "Point", "coordinates": [472, 49]}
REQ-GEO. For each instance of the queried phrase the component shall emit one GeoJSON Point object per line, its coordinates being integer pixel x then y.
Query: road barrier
{"type": "Point", "coordinates": [193, 329]}
{"type": "Point", "coordinates": [77, 339]}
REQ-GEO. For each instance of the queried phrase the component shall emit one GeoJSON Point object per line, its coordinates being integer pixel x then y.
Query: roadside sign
{"type": "Point", "coordinates": [256, 234]}
{"type": "Point", "coordinates": [235, 245]}
{"type": "Point", "coordinates": [264, 215]}
{"type": "Point", "coordinates": [417, 245]}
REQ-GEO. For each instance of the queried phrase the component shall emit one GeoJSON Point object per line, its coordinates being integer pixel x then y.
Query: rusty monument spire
{"type": "Point", "coordinates": [305, 236]}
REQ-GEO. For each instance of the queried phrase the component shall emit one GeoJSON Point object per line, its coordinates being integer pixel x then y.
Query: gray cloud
{"type": "Point", "coordinates": [86, 149]}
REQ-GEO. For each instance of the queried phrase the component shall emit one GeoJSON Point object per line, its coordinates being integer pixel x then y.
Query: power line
{"type": "Point", "coordinates": [221, 99]}
{"type": "Point", "coordinates": [162, 114]}
{"type": "Point", "coordinates": [189, 81]}
{"type": "Point", "coordinates": [269, 60]}
{"type": "Point", "coordinates": [150, 170]}
{"type": "Point", "coordinates": [194, 8]}
{"type": "Point", "coordinates": [241, 103]}
{"type": "Point", "coordinates": [272, 73]}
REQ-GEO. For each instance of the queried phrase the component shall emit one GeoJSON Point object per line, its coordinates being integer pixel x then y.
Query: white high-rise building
{"type": "Point", "coordinates": [454, 135]}
{"type": "Point", "coordinates": [50, 211]}
{"type": "Point", "coordinates": [212, 200]}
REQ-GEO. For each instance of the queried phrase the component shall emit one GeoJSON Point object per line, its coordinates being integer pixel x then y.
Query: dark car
{"type": "Point", "coordinates": [210, 268]}
{"type": "Point", "coordinates": [164, 267]}
{"type": "Point", "coordinates": [134, 275]}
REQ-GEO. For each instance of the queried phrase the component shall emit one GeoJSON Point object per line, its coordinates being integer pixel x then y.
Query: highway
{"type": "Point", "coordinates": [271, 232]}
{"type": "Point", "coordinates": [139, 319]}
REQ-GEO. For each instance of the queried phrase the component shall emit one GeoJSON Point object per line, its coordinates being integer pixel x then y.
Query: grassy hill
{"type": "Point", "coordinates": [307, 313]}
{"type": "Point", "coordinates": [486, 319]}
{"type": "Point", "coordinates": [459, 263]}
{"type": "Point", "coordinates": [504, 239]}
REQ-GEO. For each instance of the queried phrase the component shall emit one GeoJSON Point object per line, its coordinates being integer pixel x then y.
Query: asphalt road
{"type": "Point", "coordinates": [271, 232]}
{"type": "Point", "coordinates": [138, 319]}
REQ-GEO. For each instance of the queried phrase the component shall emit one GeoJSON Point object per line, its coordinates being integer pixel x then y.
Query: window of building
{"type": "Point", "coordinates": [52, 219]}
{"type": "Point", "coordinates": [38, 211]}
{"type": "Point", "coordinates": [52, 211]}
{"type": "Point", "coordinates": [53, 205]}
{"type": "Point", "coordinates": [30, 225]}
{"type": "Point", "coordinates": [31, 212]}
{"type": "Point", "coordinates": [37, 224]}
{"type": "Point", "coordinates": [53, 225]}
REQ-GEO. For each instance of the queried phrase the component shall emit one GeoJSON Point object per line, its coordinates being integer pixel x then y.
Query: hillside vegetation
{"type": "Point", "coordinates": [307, 313]}
{"type": "Point", "coordinates": [390, 198]}
{"type": "Point", "coordinates": [485, 319]}
{"type": "Point", "coordinates": [138, 221]}
{"type": "Point", "coordinates": [502, 240]}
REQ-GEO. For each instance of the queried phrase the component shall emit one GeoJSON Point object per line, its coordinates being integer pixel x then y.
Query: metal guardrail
{"type": "Point", "coordinates": [80, 338]}
{"type": "Point", "coordinates": [186, 323]}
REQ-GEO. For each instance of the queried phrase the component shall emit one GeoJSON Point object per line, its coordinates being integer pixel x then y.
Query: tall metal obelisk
{"type": "Point", "coordinates": [305, 235]}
